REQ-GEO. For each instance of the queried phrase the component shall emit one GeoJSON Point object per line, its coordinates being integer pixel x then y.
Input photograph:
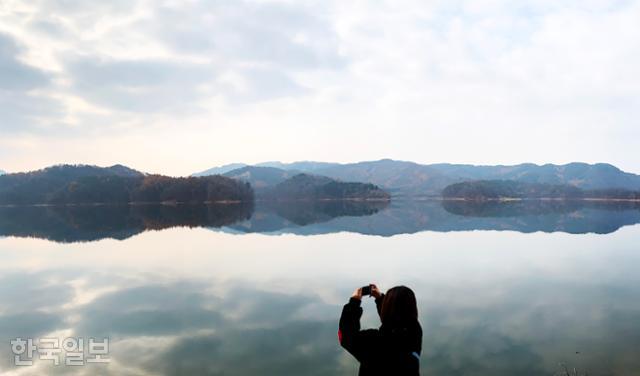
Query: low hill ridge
{"type": "Point", "coordinates": [261, 177]}
{"type": "Point", "coordinates": [510, 189]}
{"type": "Point", "coordinates": [315, 187]}
{"type": "Point", "coordinates": [403, 178]}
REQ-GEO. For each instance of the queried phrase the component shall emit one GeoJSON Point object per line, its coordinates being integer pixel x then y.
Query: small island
{"type": "Point", "coordinates": [517, 190]}
{"type": "Point", "coordinates": [313, 187]}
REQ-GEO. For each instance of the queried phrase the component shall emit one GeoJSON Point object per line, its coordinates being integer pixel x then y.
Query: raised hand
{"type": "Point", "coordinates": [375, 291]}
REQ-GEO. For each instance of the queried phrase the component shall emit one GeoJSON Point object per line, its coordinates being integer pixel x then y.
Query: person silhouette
{"type": "Point", "coordinates": [394, 348]}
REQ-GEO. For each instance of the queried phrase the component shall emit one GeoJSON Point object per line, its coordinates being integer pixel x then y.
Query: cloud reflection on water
{"type": "Point", "coordinates": [163, 325]}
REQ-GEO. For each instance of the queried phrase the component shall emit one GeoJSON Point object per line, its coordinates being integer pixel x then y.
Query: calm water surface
{"type": "Point", "coordinates": [502, 289]}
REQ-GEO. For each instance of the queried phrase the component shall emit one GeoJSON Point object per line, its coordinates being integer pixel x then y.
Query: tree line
{"type": "Point", "coordinates": [505, 189]}
{"type": "Point", "coordinates": [67, 186]}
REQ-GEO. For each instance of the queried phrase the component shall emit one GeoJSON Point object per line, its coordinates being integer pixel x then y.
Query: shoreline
{"type": "Point", "coordinates": [97, 204]}
{"type": "Point", "coordinates": [513, 199]}
{"type": "Point", "coordinates": [178, 203]}
{"type": "Point", "coordinates": [363, 200]}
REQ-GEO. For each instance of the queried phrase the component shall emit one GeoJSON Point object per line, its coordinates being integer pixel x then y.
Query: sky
{"type": "Point", "coordinates": [176, 87]}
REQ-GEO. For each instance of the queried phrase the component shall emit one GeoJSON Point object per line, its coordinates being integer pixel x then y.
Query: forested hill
{"type": "Point", "coordinates": [81, 184]}
{"type": "Point", "coordinates": [313, 187]}
{"type": "Point", "coordinates": [510, 189]}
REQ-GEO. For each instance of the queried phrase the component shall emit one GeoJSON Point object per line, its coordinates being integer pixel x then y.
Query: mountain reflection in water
{"type": "Point", "coordinates": [220, 298]}
{"type": "Point", "coordinates": [89, 223]}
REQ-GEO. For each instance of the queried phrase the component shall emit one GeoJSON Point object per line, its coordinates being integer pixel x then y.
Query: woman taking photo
{"type": "Point", "coordinates": [393, 349]}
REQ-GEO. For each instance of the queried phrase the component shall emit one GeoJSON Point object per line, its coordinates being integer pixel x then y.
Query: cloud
{"type": "Point", "coordinates": [20, 105]}
{"type": "Point", "coordinates": [282, 35]}
{"type": "Point", "coordinates": [160, 86]}
{"type": "Point", "coordinates": [243, 53]}
{"type": "Point", "coordinates": [253, 85]}
{"type": "Point", "coordinates": [138, 85]}
{"type": "Point", "coordinates": [15, 75]}
{"type": "Point", "coordinates": [116, 65]}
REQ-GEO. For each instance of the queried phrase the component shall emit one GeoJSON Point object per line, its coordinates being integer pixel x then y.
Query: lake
{"type": "Point", "coordinates": [522, 288]}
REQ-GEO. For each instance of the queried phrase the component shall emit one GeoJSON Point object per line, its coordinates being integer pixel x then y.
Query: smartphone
{"type": "Point", "coordinates": [366, 290]}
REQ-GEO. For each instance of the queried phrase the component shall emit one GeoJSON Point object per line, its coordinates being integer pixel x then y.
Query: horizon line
{"type": "Point", "coordinates": [258, 164]}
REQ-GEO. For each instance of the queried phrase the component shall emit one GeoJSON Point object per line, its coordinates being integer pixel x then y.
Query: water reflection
{"type": "Point", "coordinates": [307, 217]}
{"type": "Point", "coordinates": [571, 216]}
{"type": "Point", "coordinates": [167, 326]}
{"type": "Point", "coordinates": [88, 223]}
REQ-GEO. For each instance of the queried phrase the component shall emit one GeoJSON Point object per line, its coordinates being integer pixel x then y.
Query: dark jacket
{"type": "Point", "coordinates": [387, 351]}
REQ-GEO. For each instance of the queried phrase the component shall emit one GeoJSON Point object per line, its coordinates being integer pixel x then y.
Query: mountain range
{"type": "Point", "coordinates": [363, 180]}
{"type": "Point", "coordinates": [306, 166]}
{"type": "Point", "coordinates": [402, 178]}
{"type": "Point", "coordinates": [84, 184]}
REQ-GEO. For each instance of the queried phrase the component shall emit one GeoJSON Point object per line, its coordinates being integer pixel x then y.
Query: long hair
{"type": "Point", "coordinates": [399, 307]}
